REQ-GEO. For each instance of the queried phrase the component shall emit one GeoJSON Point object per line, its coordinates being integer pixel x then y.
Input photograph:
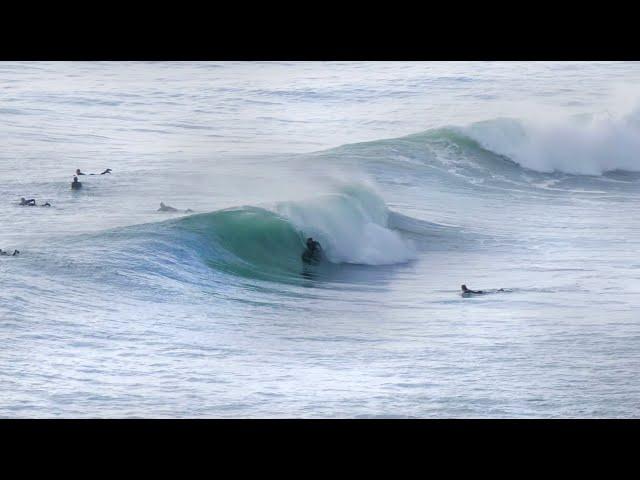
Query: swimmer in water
{"type": "Point", "coordinates": [78, 172]}
{"type": "Point", "coordinates": [108, 170]}
{"type": "Point", "coordinates": [166, 208]}
{"type": "Point", "coordinates": [465, 290]}
{"type": "Point", "coordinates": [28, 203]}
{"type": "Point", "coordinates": [76, 184]}
{"type": "Point", "coordinates": [15, 252]}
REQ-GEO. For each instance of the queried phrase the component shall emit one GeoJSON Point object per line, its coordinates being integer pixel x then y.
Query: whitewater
{"type": "Point", "coordinates": [415, 177]}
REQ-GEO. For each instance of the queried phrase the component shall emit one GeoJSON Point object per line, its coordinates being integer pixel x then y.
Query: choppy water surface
{"type": "Point", "coordinates": [414, 177]}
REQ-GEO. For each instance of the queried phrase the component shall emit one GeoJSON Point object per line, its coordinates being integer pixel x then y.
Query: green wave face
{"type": "Point", "coordinates": [249, 241]}
{"type": "Point", "coordinates": [350, 224]}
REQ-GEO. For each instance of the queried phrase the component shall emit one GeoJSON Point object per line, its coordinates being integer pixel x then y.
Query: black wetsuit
{"type": "Point", "coordinates": [466, 291]}
{"type": "Point", "coordinates": [313, 251]}
{"type": "Point", "coordinates": [166, 208]}
{"type": "Point", "coordinates": [313, 246]}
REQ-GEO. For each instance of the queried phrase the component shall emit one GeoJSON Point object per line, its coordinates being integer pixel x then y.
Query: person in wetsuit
{"type": "Point", "coordinates": [28, 203]}
{"type": "Point", "coordinates": [78, 172]}
{"type": "Point", "coordinates": [312, 245]}
{"type": "Point", "coordinates": [76, 184]}
{"type": "Point", "coordinates": [468, 291]}
{"type": "Point", "coordinates": [313, 250]}
{"type": "Point", "coordinates": [166, 208]}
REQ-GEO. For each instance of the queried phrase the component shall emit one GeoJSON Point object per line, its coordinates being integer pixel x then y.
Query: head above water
{"type": "Point", "coordinates": [464, 288]}
{"type": "Point", "coordinates": [77, 171]}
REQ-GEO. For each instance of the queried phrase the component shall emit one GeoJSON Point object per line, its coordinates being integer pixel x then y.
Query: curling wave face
{"type": "Point", "coordinates": [351, 224]}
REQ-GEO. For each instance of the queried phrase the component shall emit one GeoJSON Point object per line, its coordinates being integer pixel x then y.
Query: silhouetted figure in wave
{"type": "Point", "coordinates": [313, 253]}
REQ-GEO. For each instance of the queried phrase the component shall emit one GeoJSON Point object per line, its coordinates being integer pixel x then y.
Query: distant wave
{"type": "Point", "coordinates": [587, 144]}
{"type": "Point", "coordinates": [583, 145]}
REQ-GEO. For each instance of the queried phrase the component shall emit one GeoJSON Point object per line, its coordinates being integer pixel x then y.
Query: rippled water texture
{"type": "Point", "coordinates": [414, 177]}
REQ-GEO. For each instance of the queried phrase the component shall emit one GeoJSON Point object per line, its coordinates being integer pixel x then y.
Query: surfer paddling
{"type": "Point", "coordinates": [167, 208]}
{"type": "Point", "coordinates": [78, 172]}
{"type": "Point", "coordinates": [466, 292]}
{"type": "Point", "coordinates": [469, 291]}
{"type": "Point", "coordinates": [31, 203]}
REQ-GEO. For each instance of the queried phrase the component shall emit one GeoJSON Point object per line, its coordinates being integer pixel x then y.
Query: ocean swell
{"type": "Point", "coordinates": [351, 224]}
{"type": "Point", "coordinates": [582, 145]}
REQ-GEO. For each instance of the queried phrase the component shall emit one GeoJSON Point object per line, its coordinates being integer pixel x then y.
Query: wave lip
{"type": "Point", "coordinates": [581, 145]}
{"type": "Point", "coordinates": [352, 225]}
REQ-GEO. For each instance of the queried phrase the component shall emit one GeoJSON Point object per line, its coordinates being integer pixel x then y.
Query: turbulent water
{"type": "Point", "coordinates": [414, 177]}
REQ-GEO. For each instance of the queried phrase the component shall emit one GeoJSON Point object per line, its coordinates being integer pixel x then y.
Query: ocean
{"type": "Point", "coordinates": [520, 179]}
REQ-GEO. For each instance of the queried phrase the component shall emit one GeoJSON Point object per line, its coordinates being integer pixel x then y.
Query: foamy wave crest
{"type": "Point", "coordinates": [585, 145]}
{"type": "Point", "coordinates": [352, 226]}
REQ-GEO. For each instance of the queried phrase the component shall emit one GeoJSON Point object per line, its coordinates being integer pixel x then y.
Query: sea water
{"type": "Point", "coordinates": [415, 178]}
